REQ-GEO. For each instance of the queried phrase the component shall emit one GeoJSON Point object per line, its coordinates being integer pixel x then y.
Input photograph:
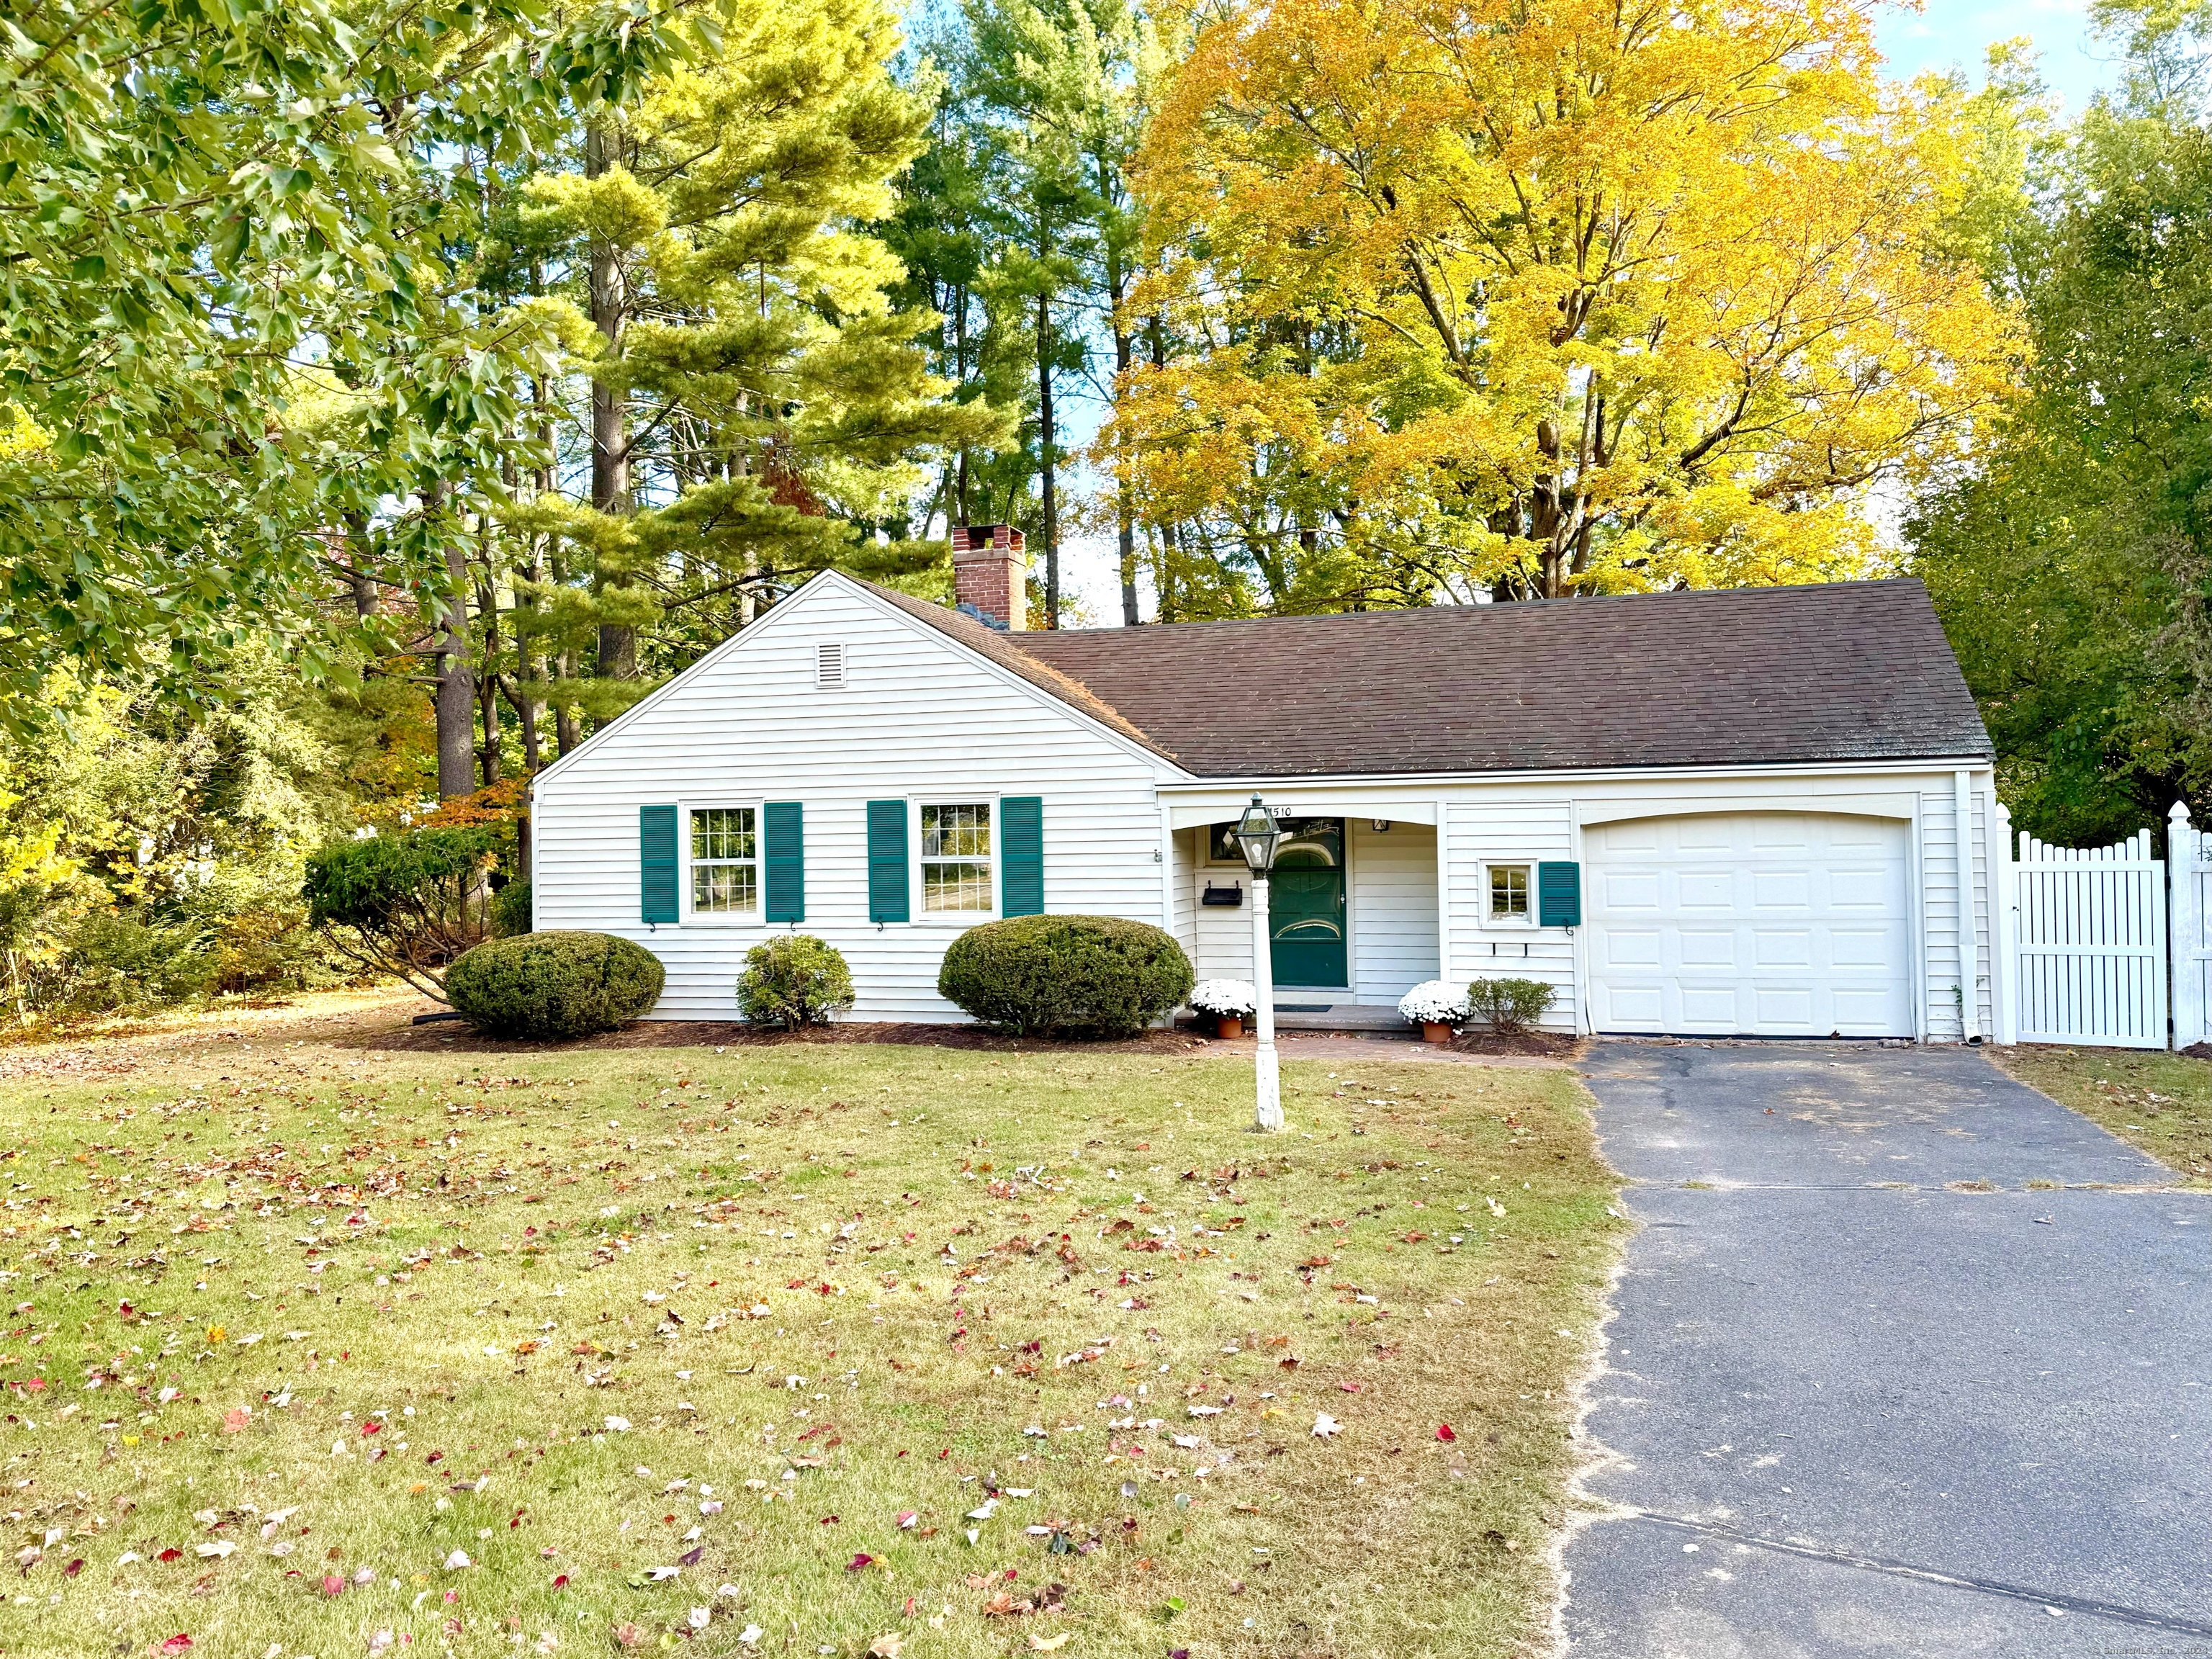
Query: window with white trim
{"type": "Point", "coordinates": [955, 857]}
{"type": "Point", "coordinates": [1509, 892]}
{"type": "Point", "coordinates": [725, 861]}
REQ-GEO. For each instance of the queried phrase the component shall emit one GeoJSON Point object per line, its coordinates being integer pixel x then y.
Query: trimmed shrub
{"type": "Point", "coordinates": [554, 985]}
{"type": "Point", "coordinates": [405, 905]}
{"type": "Point", "coordinates": [1066, 976]}
{"type": "Point", "coordinates": [510, 910]}
{"type": "Point", "coordinates": [793, 980]}
{"type": "Point", "coordinates": [1509, 1005]}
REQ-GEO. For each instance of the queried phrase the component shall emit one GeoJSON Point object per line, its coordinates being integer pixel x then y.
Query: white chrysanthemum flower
{"type": "Point", "coordinates": [1433, 1000]}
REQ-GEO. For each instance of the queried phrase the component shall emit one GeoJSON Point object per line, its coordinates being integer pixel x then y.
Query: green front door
{"type": "Point", "coordinates": [1305, 905]}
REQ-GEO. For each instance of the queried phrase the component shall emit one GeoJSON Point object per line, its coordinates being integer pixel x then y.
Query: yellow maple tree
{"type": "Point", "coordinates": [1547, 296]}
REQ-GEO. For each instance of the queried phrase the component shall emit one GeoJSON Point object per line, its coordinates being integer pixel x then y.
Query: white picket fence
{"type": "Point", "coordinates": [2108, 946]}
{"type": "Point", "coordinates": [2189, 860]}
{"type": "Point", "coordinates": [2089, 938]}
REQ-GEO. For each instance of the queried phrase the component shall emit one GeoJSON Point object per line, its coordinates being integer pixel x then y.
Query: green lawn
{"type": "Point", "coordinates": [2161, 1103]}
{"type": "Point", "coordinates": [798, 1350]}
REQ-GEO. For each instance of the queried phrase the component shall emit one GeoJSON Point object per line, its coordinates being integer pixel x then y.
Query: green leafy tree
{"type": "Point", "coordinates": [210, 216]}
{"type": "Point", "coordinates": [2073, 565]}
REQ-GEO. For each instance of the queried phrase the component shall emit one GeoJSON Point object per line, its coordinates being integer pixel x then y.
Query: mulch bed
{"type": "Point", "coordinates": [1547, 1045]}
{"type": "Point", "coordinates": [455, 1037]}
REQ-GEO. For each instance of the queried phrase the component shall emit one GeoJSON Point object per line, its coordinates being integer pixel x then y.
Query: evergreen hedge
{"type": "Point", "coordinates": [554, 985]}
{"type": "Point", "coordinates": [1066, 976]}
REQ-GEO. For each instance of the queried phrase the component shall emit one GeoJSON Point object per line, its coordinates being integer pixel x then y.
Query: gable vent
{"type": "Point", "coordinates": [828, 667]}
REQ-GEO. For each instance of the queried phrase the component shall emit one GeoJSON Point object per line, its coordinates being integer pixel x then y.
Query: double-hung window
{"type": "Point", "coordinates": [1509, 892]}
{"type": "Point", "coordinates": [725, 862]}
{"type": "Point", "coordinates": [955, 857]}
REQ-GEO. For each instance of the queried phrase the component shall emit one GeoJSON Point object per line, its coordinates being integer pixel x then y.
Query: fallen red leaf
{"type": "Point", "coordinates": [560, 1581]}
{"type": "Point", "coordinates": [859, 1561]}
{"type": "Point", "coordinates": [178, 1643]}
{"type": "Point", "coordinates": [171, 1554]}
{"type": "Point", "coordinates": [75, 1567]}
{"type": "Point", "coordinates": [332, 1584]}
{"type": "Point", "coordinates": [1444, 1431]}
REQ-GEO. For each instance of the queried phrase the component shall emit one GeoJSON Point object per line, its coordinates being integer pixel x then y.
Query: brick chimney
{"type": "Point", "coordinates": [990, 575]}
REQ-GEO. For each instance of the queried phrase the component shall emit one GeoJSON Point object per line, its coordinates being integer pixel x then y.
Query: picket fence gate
{"type": "Point", "coordinates": [2108, 946]}
{"type": "Point", "coordinates": [2188, 859]}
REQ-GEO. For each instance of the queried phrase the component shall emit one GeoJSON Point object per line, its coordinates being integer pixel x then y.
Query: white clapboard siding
{"type": "Point", "coordinates": [2188, 856]}
{"type": "Point", "coordinates": [2092, 943]}
{"type": "Point", "coordinates": [1509, 828]}
{"type": "Point", "coordinates": [916, 716]}
{"type": "Point", "coordinates": [1392, 909]}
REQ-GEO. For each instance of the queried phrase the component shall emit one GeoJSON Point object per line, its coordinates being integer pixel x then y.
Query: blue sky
{"type": "Point", "coordinates": [1954, 33]}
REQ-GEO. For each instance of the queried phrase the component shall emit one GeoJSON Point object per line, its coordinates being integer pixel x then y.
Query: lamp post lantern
{"type": "Point", "coordinates": [1257, 836]}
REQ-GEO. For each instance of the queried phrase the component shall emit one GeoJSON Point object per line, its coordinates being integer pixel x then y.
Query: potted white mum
{"type": "Point", "coordinates": [1228, 1001]}
{"type": "Point", "coordinates": [1435, 1007]}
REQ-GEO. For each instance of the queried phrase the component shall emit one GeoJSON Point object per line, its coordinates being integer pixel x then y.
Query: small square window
{"type": "Point", "coordinates": [1509, 892]}
{"type": "Point", "coordinates": [725, 861]}
{"type": "Point", "coordinates": [955, 857]}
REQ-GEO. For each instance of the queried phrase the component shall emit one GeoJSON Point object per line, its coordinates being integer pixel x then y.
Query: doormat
{"type": "Point", "coordinates": [1304, 1007]}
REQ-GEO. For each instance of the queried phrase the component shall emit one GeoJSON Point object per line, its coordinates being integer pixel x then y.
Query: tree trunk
{"type": "Point", "coordinates": [610, 299]}
{"type": "Point", "coordinates": [488, 691]}
{"type": "Point", "coordinates": [456, 679]}
{"type": "Point", "coordinates": [1050, 525]}
{"type": "Point", "coordinates": [1164, 600]}
{"type": "Point", "coordinates": [360, 577]}
{"type": "Point", "coordinates": [1125, 513]}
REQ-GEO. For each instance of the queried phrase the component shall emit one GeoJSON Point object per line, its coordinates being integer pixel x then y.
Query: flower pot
{"type": "Point", "coordinates": [1227, 1027]}
{"type": "Point", "coordinates": [1435, 1030]}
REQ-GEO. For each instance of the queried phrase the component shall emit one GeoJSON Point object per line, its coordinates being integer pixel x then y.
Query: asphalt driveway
{"type": "Point", "coordinates": [1909, 1359]}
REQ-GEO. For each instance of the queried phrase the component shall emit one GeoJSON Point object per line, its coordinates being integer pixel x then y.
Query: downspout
{"type": "Point", "coordinates": [1970, 964]}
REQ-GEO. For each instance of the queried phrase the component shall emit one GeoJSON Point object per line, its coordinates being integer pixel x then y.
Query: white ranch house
{"type": "Point", "coordinates": [1734, 812]}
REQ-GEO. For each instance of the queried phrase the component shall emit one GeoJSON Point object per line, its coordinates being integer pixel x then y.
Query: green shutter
{"type": "Point", "coordinates": [1560, 895]}
{"type": "Point", "coordinates": [1021, 855]}
{"type": "Point", "coordinates": [887, 873]}
{"type": "Point", "coordinates": [783, 859]}
{"type": "Point", "coordinates": [656, 864]}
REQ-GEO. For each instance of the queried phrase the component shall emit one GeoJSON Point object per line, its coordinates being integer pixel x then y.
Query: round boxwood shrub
{"type": "Point", "coordinates": [793, 979]}
{"type": "Point", "coordinates": [1066, 976]}
{"type": "Point", "coordinates": [554, 985]}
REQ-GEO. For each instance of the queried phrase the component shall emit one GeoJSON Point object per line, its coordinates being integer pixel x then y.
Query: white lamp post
{"type": "Point", "coordinates": [1257, 835]}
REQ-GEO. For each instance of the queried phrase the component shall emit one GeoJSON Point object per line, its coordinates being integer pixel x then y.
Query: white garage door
{"type": "Point", "coordinates": [1750, 924]}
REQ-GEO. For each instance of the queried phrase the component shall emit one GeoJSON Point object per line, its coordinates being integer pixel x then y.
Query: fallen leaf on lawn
{"type": "Point", "coordinates": [662, 1575]}
{"type": "Point", "coordinates": [629, 1635]}
{"type": "Point", "coordinates": [1048, 1643]}
{"type": "Point", "coordinates": [886, 1647]}
{"type": "Point", "coordinates": [749, 1636]}
{"type": "Point", "coordinates": [1324, 1424]}
{"type": "Point", "coordinates": [1352, 1387]}
{"type": "Point", "coordinates": [698, 1617]}
{"type": "Point", "coordinates": [236, 1419]}
{"type": "Point", "coordinates": [863, 1559]}
{"type": "Point", "coordinates": [906, 1519]}
{"type": "Point", "coordinates": [457, 1560]}
{"type": "Point", "coordinates": [179, 1643]}
{"type": "Point", "coordinates": [214, 1550]}
{"type": "Point", "coordinates": [1444, 1431]}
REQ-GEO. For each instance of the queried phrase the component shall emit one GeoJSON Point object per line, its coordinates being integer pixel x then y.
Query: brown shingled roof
{"type": "Point", "coordinates": [1845, 671]}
